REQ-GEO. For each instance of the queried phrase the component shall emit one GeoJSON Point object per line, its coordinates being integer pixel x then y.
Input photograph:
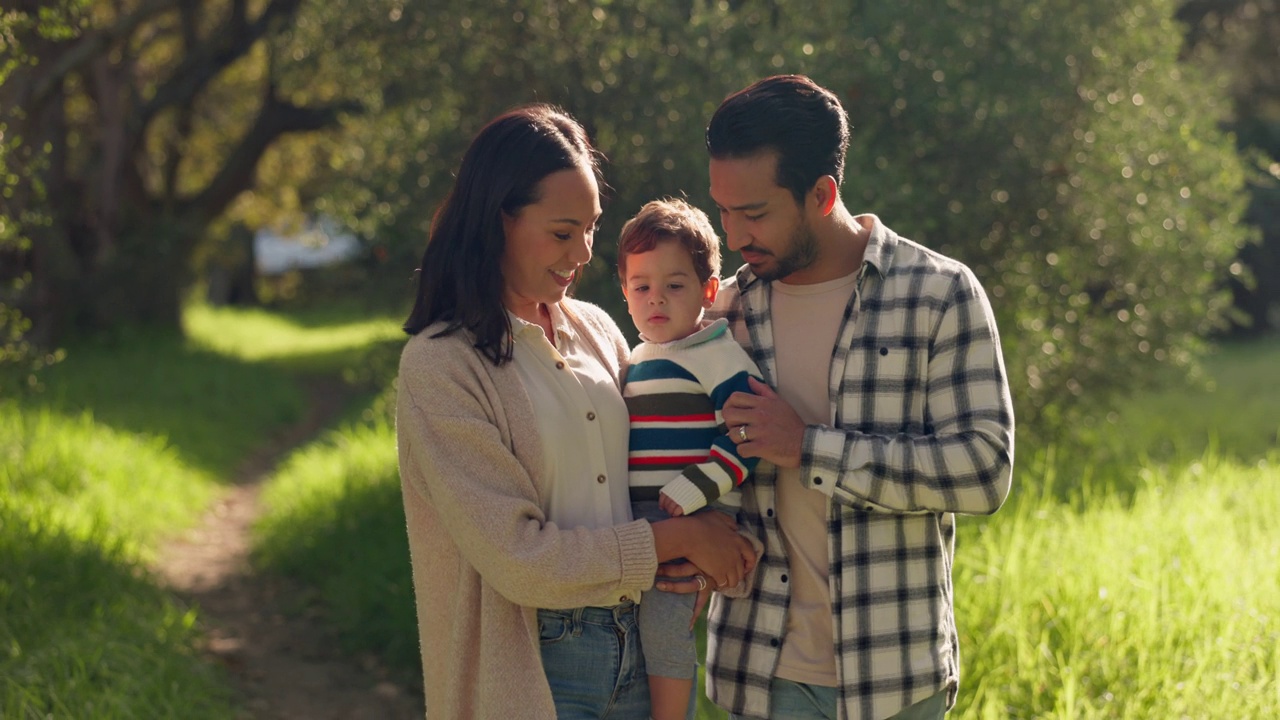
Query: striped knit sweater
{"type": "Point", "coordinates": [674, 393]}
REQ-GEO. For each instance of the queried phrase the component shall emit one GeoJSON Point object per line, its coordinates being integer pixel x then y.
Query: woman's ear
{"type": "Point", "coordinates": [710, 289]}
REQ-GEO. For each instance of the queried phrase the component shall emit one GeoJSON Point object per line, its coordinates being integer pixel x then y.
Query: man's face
{"type": "Point", "coordinates": [760, 218]}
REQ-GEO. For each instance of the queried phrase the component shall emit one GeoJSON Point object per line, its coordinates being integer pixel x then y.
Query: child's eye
{"type": "Point", "coordinates": [640, 288]}
{"type": "Point", "coordinates": [562, 236]}
{"type": "Point", "coordinates": [675, 286]}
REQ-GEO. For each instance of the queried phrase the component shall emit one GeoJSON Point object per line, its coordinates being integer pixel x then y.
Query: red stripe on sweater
{"type": "Point", "coordinates": [739, 470]}
{"type": "Point", "coordinates": [668, 460]}
{"type": "Point", "coordinates": [703, 417]}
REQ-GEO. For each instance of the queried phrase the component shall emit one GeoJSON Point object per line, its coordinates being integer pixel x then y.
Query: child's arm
{"type": "Point", "coordinates": [705, 482]}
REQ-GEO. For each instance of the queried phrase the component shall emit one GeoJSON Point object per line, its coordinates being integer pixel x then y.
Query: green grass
{"type": "Point", "coordinates": [128, 442]}
{"type": "Point", "coordinates": [334, 521]}
{"type": "Point", "coordinates": [212, 408]}
{"type": "Point", "coordinates": [1166, 604]}
{"type": "Point", "coordinates": [318, 340]}
{"type": "Point", "coordinates": [83, 634]}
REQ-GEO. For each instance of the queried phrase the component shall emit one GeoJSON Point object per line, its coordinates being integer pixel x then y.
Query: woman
{"type": "Point", "coordinates": [512, 436]}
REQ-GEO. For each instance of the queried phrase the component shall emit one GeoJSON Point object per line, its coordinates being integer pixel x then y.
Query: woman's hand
{"type": "Point", "coordinates": [710, 541]}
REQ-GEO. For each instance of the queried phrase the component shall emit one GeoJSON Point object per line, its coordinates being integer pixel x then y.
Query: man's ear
{"type": "Point", "coordinates": [710, 289]}
{"type": "Point", "coordinates": [825, 193]}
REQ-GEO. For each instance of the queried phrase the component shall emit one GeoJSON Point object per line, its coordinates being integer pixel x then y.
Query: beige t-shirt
{"type": "Point", "coordinates": [806, 322]}
{"type": "Point", "coordinates": [584, 427]}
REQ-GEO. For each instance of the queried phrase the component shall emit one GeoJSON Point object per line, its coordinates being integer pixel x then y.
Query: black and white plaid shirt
{"type": "Point", "coordinates": [923, 430]}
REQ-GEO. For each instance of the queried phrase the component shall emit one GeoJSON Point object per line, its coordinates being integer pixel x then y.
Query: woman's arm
{"type": "Point", "coordinates": [456, 454]}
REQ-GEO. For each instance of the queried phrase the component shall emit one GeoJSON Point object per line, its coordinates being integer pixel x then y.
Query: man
{"type": "Point", "coordinates": [891, 414]}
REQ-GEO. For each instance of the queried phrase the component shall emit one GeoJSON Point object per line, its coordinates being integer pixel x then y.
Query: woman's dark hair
{"type": "Point", "coordinates": [791, 115]}
{"type": "Point", "coordinates": [460, 281]}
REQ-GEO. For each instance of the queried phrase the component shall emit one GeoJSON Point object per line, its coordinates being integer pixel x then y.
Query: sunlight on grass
{"type": "Point", "coordinates": [92, 480]}
{"type": "Point", "coordinates": [256, 335]}
{"type": "Point", "coordinates": [1140, 609]}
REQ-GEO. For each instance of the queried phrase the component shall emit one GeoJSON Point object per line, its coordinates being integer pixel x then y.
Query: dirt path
{"type": "Point", "coordinates": [285, 667]}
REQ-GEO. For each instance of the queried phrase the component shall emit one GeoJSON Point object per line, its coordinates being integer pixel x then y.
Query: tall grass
{"type": "Point", "coordinates": [1165, 604]}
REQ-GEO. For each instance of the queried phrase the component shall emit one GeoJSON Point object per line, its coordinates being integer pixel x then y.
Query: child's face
{"type": "Point", "coordinates": [663, 294]}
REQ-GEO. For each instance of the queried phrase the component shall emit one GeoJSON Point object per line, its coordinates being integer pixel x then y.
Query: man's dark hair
{"type": "Point", "coordinates": [460, 281]}
{"type": "Point", "coordinates": [791, 115]}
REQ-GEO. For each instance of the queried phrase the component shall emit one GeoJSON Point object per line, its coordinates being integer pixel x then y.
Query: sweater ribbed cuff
{"type": "Point", "coordinates": [639, 555]}
{"type": "Point", "coordinates": [686, 494]}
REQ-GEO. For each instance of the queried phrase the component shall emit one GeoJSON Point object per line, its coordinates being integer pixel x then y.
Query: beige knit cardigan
{"type": "Point", "coordinates": [484, 555]}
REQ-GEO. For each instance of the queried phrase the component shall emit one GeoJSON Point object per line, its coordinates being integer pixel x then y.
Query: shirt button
{"type": "Point", "coordinates": [600, 479]}
{"type": "Point", "coordinates": [773, 642]}
{"type": "Point", "coordinates": [591, 416]}
{"type": "Point", "coordinates": [622, 599]}
{"type": "Point", "coordinates": [769, 512]}
{"type": "Point", "coordinates": [560, 365]}
{"type": "Point", "coordinates": [817, 481]}
{"type": "Point", "coordinates": [784, 577]}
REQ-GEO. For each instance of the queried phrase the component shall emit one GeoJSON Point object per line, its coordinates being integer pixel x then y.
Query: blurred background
{"type": "Point", "coordinates": [243, 188]}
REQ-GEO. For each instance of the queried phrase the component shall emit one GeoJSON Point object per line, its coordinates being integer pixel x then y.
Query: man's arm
{"type": "Point", "coordinates": [963, 465]}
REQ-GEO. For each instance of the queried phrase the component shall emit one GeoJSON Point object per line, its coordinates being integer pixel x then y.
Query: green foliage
{"type": "Point", "coordinates": [1081, 174]}
{"type": "Point", "coordinates": [1060, 149]}
{"type": "Point", "coordinates": [1241, 40]}
{"type": "Point", "coordinates": [18, 178]}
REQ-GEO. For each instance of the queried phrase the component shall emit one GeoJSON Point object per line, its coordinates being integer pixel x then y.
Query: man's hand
{"type": "Point", "coordinates": [764, 425]}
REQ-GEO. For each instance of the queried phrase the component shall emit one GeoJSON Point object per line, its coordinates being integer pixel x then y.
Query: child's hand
{"type": "Point", "coordinates": [669, 506]}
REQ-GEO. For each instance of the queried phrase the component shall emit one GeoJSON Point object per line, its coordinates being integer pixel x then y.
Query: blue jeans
{"type": "Point", "coordinates": [788, 699]}
{"type": "Point", "coordinates": [593, 663]}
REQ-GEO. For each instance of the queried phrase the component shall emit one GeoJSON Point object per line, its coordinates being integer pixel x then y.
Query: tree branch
{"type": "Point", "coordinates": [202, 64]}
{"type": "Point", "coordinates": [89, 46]}
{"type": "Point", "coordinates": [276, 118]}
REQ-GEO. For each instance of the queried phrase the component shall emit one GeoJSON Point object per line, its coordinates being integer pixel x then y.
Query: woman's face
{"type": "Point", "coordinates": [547, 241]}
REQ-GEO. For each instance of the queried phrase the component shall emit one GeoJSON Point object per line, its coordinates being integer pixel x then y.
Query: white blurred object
{"type": "Point", "coordinates": [321, 242]}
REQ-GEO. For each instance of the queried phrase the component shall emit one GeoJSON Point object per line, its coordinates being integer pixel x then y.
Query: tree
{"type": "Point", "coordinates": [1061, 149]}
{"type": "Point", "coordinates": [1241, 40]}
{"type": "Point", "coordinates": [142, 122]}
